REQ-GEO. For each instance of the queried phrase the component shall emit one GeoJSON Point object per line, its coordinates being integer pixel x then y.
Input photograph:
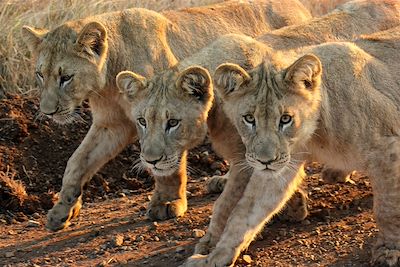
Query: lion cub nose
{"type": "Point", "coordinates": [49, 113]}
{"type": "Point", "coordinates": [153, 162]}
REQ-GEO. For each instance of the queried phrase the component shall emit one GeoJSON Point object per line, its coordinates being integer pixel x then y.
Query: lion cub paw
{"type": "Point", "coordinates": [216, 184]}
{"type": "Point", "coordinates": [166, 210]}
{"type": "Point", "coordinates": [385, 256]}
{"type": "Point", "coordinates": [333, 176]}
{"type": "Point", "coordinates": [205, 244]}
{"type": "Point", "coordinates": [220, 257]}
{"type": "Point", "coordinates": [60, 215]}
{"type": "Point", "coordinates": [296, 208]}
{"type": "Point", "coordinates": [197, 260]}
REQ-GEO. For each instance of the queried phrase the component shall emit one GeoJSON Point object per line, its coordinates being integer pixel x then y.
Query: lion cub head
{"type": "Point", "coordinates": [171, 113]}
{"type": "Point", "coordinates": [274, 108]}
{"type": "Point", "coordinates": [70, 65]}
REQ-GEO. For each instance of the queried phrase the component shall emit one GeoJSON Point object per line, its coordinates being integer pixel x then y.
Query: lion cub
{"type": "Point", "coordinates": [79, 60]}
{"type": "Point", "coordinates": [337, 103]}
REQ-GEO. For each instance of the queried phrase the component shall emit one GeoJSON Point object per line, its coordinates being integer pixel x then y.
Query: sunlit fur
{"type": "Point", "coordinates": [92, 51]}
{"type": "Point", "coordinates": [344, 99]}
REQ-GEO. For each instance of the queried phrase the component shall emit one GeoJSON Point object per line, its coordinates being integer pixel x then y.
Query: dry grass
{"type": "Point", "coordinates": [12, 188]}
{"type": "Point", "coordinates": [16, 74]}
{"type": "Point", "coordinates": [320, 7]}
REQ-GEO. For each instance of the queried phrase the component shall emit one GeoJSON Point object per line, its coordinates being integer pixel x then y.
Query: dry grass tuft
{"type": "Point", "coordinates": [16, 73]}
{"type": "Point", "coordinates": [12, 190]}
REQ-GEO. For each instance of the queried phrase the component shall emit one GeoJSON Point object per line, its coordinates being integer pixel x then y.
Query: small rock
{"type": "Point", "coordinates": [12, 232]}
{"type": "Point", "coordinates": [126, 191]}
{"type": "Point", "coordinates": [247, 259]}
{"type": "Point", "coordinates": [118, 240]}
{"type": "Point", "coordinates": [156, 238]}
{"type": "Point", "coordinates": [10, 254]}
{"type": "Point", "coordinates": [139, 238]}
{"type": "Point", "coordinates": [198, 233]}
{"type": "Point", "coordinates": [32, 223]}
{"type": "Point", "coordinates": [121, 194]}
{"type": "Point", "coordinates": [306, 222]}
{"type": "Point", "coordinates": [36, 215]}
{"type": "Point", "coordinates": [180, 249]}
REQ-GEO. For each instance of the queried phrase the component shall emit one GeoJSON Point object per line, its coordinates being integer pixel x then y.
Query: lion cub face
{"type": "Point", "coordinates": [69, 66]}
{"type": "Point", "coordinates": [170, 112]}
{"type": "Point", "coordinates": [274, 109]}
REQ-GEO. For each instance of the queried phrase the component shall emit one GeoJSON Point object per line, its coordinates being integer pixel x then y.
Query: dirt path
{"type": "Point", "coordinates": [112, 228]}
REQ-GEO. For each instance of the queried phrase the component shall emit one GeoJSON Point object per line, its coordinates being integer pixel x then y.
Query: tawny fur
{"type": "Point", "coordinates": [159, 99]}
{"type": "Point", "coordinates": [343, 101]}
{"type": "Point", "coordinates": [95, 49]}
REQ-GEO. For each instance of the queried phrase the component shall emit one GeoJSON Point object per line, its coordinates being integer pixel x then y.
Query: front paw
{"type": "Point", "coordinates": [383, 255]}
{"type": "Point", "coordinates": [205, 244]}
{"type": "Point", "coordinates": [70, 193]}
{"type": "Point", "coordinates": [296, 208]}
{"type": "Point", "coordinates": [166, 210]}
{"type": "Point", "coordinates": [220, 257]}
{"type": "Point", "coordinates": [216, 184]}
{"type": "Point", "coordinates": [60, 215]}
{"type": "Point", "coordinates": [197, 260]}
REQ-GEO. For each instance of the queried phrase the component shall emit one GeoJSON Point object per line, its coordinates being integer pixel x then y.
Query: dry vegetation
{"type": "Point", "coordinates": [15, 64]}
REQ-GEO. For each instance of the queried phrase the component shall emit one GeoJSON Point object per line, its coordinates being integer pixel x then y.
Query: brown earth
{"type": "Point", "coordinates": [112, 228]}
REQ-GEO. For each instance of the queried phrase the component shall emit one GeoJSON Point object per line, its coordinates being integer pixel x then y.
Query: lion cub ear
{"type": "Point", "coordinates": [196, 81]}
{"type": "Point", "coordinates": [229, 77]}
{"type": "Point", "coordinates": [33, 37]}
{"type": "Point", "coordinates": [130, 83]}
{"type": "Point", "coordinates": [305, 72]}
{"type": "Point", "coordinates": [92, 40]}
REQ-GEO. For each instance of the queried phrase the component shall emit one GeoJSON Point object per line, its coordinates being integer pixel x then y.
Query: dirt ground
{"type": "Point", "coordinates": [112, 229]}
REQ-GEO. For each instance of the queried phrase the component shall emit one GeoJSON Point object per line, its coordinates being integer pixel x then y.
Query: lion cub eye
{"type": "Point", "coordinates": [286, 119]}
{"type": "Point", "coordinates": [249, 119]}
{"type": "Point", "coordinates": [172, 123]}
{"type": "Point", "coordinates": [65, 78]}
{"type": "Point", "coordinates": [142, 122]}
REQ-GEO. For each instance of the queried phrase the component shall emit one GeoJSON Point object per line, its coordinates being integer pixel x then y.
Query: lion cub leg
{"type": "Point", "coordinates": [169, 197]}
{"type": "Point", "coordinates": [263, 197]}
{"type": "Point", "coordinates": [98, 147]}
{"type": "Point", "coordinates": [295, 210]}
{"type": "Point", "coordinates": [223, 206]}
{"type": "Point", "coordinates": [384, 167]}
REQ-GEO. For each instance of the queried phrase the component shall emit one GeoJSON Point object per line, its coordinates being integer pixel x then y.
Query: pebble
{"type": "Point", "coordinates": [247, 259]}
{"type": "Point", "coordinates": [118, 240]}
{"type": "Point", "coordinates": [32, 223]}
{"type": "Point", "coordinates": [180, 249]}
{"type": "Point", "coordinates": [156, 238]}
{"type": "Point", "coordinates": [306, 222]}
{"type": "Point", "coordinates": [36, 215]}
{"type": "Point", "coordinates": [139, 238]}
{"type": "Point", "coordinates": [198, 233]}
{"type": "Point", "coordinates": [10, 254]}
{"type": "Point", "coordinates": [12, 232]}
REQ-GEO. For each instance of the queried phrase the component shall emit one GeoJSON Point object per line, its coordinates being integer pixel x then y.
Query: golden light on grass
{"type": "Point", "coordinates": [16, 72]}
